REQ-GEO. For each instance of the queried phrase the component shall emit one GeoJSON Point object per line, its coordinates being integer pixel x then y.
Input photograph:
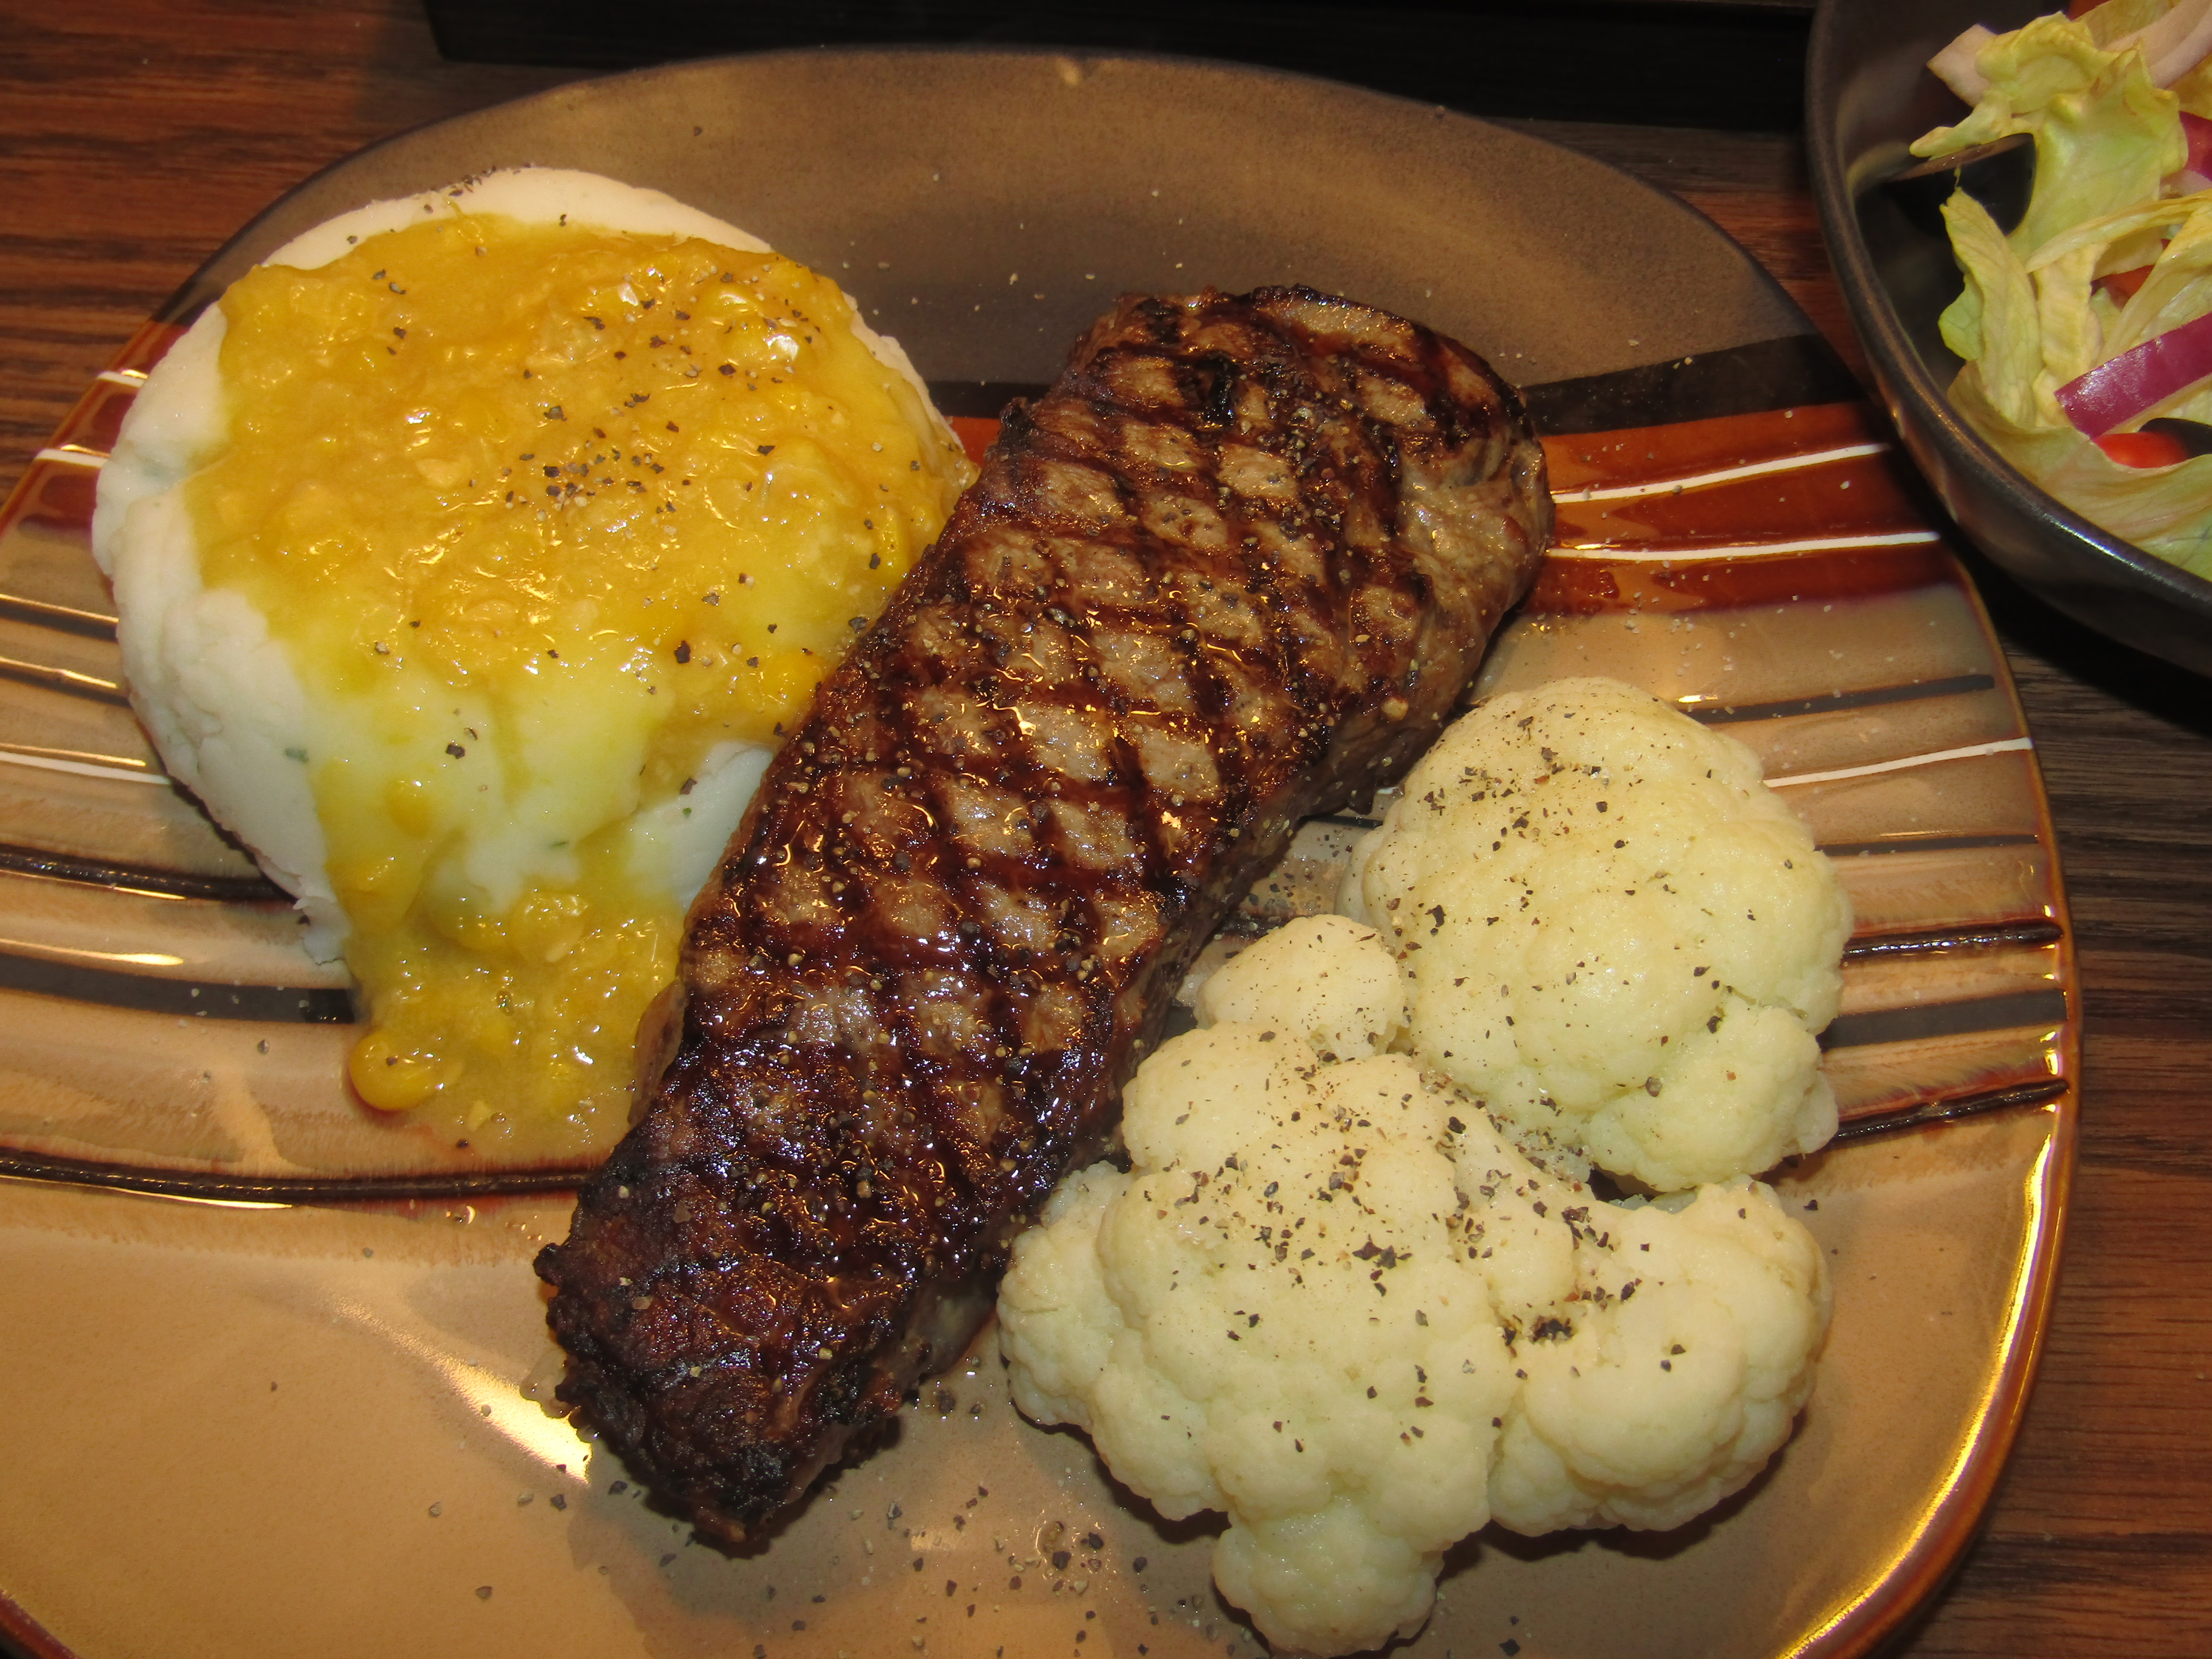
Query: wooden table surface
{"type": "Point", "coordinates": [135, 136]}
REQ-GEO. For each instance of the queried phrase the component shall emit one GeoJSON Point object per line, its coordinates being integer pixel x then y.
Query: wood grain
{"type": "Point", "coordinates": [135, 137]}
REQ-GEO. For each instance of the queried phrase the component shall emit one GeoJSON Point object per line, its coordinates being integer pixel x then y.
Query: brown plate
{"type": "Point", "coordinates": [269, 1354]}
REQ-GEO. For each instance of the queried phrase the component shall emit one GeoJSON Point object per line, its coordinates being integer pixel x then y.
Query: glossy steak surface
{"type": "Point", "coordinates": [1235, 568]}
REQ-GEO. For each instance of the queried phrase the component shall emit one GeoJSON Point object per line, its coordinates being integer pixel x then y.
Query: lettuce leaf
{"type": "Point", "coordinates": [2164, 510]}
{"type": "Point", "coordinates": [2105, 136]}
{"type": "Point", "coordinates": [2179, 287]}
{"type": "Point", "coordinates": [1995, 324]}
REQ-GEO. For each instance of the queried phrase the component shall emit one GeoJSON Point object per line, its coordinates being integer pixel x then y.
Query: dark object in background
{"type": "Point", "coordinates": [1869, 95]}
{"type": "Point", "coordinates": [1738, 64]}
{"type": "Point", "coordinates": [2000, 176]}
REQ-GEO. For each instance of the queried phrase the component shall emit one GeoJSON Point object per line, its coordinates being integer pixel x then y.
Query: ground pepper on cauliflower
{"type": "Point", "coordinates": [1617, 937]}
{"type": "Point", "coordinates": [1332, 1299]}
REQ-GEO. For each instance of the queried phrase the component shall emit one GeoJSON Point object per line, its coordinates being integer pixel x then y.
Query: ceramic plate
{"type": "Point", "coordinates": [271, 1362]}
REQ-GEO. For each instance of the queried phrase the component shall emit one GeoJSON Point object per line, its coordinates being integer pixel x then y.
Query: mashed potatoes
{"type": "Point", "coordinates": [472, 556]}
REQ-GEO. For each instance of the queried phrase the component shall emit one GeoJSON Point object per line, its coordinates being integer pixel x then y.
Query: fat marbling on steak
{"type": "Point", "coordinates": [1237, 567]}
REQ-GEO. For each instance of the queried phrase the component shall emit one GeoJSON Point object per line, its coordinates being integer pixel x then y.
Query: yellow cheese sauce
{"type": "Point", "coordinates": [550, 522]}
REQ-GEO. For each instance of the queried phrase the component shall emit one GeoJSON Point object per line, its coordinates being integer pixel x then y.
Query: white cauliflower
{"type": "Point", "coordinates": [1616, 936]}
{"type": "Point", "coordinates": [1331, 1299]}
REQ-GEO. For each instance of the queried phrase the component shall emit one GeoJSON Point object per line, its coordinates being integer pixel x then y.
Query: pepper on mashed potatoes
{"type": "Point", "coordinates": [471, 557]}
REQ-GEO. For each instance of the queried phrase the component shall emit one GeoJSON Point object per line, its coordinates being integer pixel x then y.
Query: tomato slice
{"type": "Point", "coordinates": [2121, 284]}
{"type": "Point", "coordinates": [2143, 449]}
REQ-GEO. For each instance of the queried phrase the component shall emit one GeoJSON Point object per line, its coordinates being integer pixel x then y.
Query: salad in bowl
{"type": "Point", "coordinates": [2086, 329]}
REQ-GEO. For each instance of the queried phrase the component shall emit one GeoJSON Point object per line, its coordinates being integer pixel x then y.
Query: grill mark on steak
{"type": "Point", "coordinates": [1234, 568]}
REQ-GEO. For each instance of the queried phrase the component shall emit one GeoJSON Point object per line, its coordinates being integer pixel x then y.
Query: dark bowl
{"type": "Point", "coordinates": [1869, 95]}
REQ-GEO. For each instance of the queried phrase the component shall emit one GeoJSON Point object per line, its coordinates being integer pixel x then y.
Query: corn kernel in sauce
{"type": "Point", "coordinates": [550, 522]}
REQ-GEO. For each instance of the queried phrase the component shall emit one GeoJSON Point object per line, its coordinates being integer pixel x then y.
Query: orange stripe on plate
{"type": "Point", "coordinates": [975, 433]}
{"type": "Point", "coordinates": [147, 347]}
{"type": "Point", "coordinates": [1859, 495]}
{"type": "Point", "coordinates": [1600, 460]}
{"type": "Point", "coordinates": [56, 496]}
{"type": "Point", "coordinates": [1585, 585]}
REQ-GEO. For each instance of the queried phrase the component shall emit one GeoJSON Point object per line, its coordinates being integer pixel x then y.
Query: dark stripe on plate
{"type": "Point", "coordinates": [150, 993]}
{"type": "Point", "coordinates": [90, 624]}
{"type": "Point", "coordinates": [1747, 380]}
{"type": "Point", "coordinates": [1945, 1108]}
{"type": "Point", "coordinates": [64, 680]}
{"type": "Point", "coordinates": [1942, 1019]}
{"type": "Point", "coordinates": [1856, 849]}
{"type": "Point", "coordinates": [1836, 701]}
{"type": "Point", "coordinates": [140, 878]}
{"type": "Point", "coordinates": [287, 1189]}
{"type": "Point", "coordinates": [1882, 947]}
{"type": "Point", "coordinates": [980, 399]}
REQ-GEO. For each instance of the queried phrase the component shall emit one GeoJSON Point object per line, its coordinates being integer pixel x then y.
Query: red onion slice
{"type": "Point", "coordinates": [2198, 132]}
{"type": "Point", "coordinates": [2118, 390]}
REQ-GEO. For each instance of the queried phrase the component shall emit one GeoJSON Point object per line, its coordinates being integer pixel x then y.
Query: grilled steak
{"type": "Point", "coordinates": [1235, 568]}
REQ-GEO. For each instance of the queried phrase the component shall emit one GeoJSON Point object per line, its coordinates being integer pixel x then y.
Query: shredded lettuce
{"type": "Point", "coordinates": [2164, 510]}
{"type": "Point", "coordinates": [2194, 89]}
{"type": "Point", "coordinates": [2105, 136]}
{"type": "Point", "coordinates": [1993, 323]}
{"type": "Point", "coordinates": [2109, 151]}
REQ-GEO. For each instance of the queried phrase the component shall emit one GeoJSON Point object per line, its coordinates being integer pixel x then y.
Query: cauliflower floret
{"type": "Point", "coordinates": [1332, 1299]}
{"type": "Point", "coordinates": [1344, 1001]}
{"type": "Point", "coordinates": [1617, 938]}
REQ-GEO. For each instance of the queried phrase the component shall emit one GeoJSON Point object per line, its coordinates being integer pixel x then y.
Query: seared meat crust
{"type": "Point", "coordinates": [1234, 568]}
